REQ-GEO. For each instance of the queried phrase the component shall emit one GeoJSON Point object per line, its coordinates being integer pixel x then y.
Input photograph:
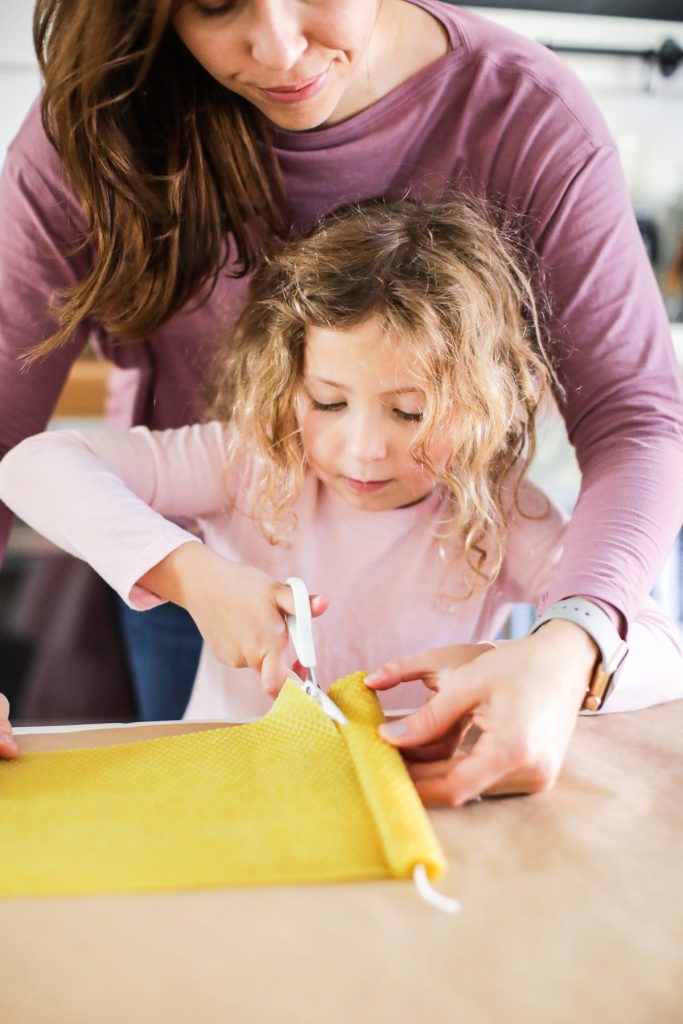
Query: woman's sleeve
{"type": "Point", "coordinates": [653, 671]}
{"type": "Point", "coordinates": [41, 227]}
{"type": "Point", "coordinates": [103, 496]}
{"type": "Point", "coordinates": [623, 405]}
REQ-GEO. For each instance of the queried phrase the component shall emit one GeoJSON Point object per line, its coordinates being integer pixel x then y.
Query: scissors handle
{"type": "Point", "coordinates": [300, 625]}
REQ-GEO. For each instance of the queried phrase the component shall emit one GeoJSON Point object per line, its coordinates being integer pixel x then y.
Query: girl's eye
{"type": "Point", "coordinates": [327, 407]}
{"type": "Point", "coordinates": [411, 417]}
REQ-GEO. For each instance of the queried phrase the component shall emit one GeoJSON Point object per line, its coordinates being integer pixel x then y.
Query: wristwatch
{"type": "Point", "coordinates": [602, 630]}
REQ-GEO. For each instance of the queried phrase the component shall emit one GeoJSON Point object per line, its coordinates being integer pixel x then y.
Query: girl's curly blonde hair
{"type": "Point", "coordinates": [453, 293]}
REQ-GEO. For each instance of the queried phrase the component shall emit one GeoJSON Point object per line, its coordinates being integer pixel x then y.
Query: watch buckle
{"type": "Point", "coordinates": [603, 677]}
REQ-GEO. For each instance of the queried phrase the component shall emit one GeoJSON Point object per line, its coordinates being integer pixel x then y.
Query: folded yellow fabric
{"type": "Point", "coordinates": [290, 798]}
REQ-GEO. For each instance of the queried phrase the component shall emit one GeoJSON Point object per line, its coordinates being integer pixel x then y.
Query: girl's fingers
{"type": "Point", "coordinates": [300, 669]}
{"type": "Point", "coordinates": [274, 671]}
{"type": "Point", "coordinates": [284, 599]}
{"type": "Point", "coordinates": [319, 604]}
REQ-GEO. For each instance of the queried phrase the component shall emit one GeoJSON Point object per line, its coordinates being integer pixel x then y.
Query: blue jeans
{"type": "Point", "coordinates": [163, 646]}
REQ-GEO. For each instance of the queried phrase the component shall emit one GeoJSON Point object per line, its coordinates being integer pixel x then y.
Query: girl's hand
{"type": "Point", "coordinates": [8, 746]}
{"type": "Point", "coordinates": [238, 609]}
{"type": "Point", "coordinates": [523, 698]}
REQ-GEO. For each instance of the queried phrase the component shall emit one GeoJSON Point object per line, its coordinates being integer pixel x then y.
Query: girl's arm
{"type": "Point", "coordinates": [104, 496]}
{"type": "Point", "coordinates": [238, 609]}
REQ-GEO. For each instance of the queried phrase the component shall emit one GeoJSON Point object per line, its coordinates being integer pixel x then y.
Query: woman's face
{"type": "Point", "coordinates": [302, 63]}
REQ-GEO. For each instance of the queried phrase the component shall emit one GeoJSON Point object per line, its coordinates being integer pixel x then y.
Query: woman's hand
{"type": "Point", "coordinates": [522, 697]}
{"type": "Point", "coordinates": [238, 609]}
{"type": "Point", "coordinates": [8, 746]}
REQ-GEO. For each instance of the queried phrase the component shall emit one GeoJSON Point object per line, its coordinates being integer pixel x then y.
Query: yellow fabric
{"type": "Point", "coordinates": [291, 798]}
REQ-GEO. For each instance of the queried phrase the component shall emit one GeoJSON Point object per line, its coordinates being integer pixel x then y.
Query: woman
{"type": "Point", "coordinates": [191, 135]}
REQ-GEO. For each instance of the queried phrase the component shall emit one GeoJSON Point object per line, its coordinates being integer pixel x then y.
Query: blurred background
{"type": "Point", "coordinates": [629, 54]}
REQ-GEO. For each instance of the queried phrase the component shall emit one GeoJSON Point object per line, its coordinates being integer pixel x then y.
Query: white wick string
{"type": "Point", "coordinates": [430, 895]}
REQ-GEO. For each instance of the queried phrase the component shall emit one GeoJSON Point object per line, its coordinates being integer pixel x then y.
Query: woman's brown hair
{"type": "Point", "coordinates": [166, 162]}
{"type": "Point", "coordinates": [451, 286]}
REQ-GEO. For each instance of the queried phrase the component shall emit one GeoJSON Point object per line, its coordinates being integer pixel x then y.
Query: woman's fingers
{"type": "Point", "coordinates": [8, 745]}
{"type": "Point", "coordinates": [426, 665]}
{"type": "Point", "coordinates": [466, 777]}
{"type": "Point", "coordinates": [488, 770]}
{"type": "Point", "coordinates": [441, 749]}
{"type": "Point", "coordinates": [431, 722]}
{"type": "Point", "coordinates": [401, 670]}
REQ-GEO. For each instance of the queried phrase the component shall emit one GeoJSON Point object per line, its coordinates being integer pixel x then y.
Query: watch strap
{"type": "Point", "coordinates": [602, 630]}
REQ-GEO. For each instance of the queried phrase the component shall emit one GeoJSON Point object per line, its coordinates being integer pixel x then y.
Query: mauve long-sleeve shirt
{"type": "Point", "coordinates": [498, 114]}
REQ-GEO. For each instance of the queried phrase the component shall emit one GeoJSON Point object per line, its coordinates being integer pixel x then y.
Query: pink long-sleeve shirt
{"type": "Point", "coordinates": [499, 114]}
{"type": "Point", "coordinates": [104, 496]}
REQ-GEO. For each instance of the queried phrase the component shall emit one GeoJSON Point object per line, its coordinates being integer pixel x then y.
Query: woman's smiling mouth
{"type": "Point", "coordinates": [298, 91]}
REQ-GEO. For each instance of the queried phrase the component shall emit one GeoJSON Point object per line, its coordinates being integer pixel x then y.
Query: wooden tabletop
{"type": "Point", "coordinates": [572, 911]}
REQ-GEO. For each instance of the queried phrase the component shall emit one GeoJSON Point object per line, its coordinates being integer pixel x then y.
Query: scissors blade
{"type": "Point", "coordinates": [300, 627]}
{"type": "Point", "coordinates": [324, 702]}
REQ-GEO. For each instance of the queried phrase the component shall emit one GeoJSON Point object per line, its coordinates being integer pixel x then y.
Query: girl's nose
{"type": "Point", "coordinates": [367, 440]}
{"type": "Point", "coordinates": [277, 37]}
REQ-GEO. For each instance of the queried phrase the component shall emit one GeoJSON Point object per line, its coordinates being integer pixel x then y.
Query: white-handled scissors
{"type": "Point", "coordinates": [300, 626]}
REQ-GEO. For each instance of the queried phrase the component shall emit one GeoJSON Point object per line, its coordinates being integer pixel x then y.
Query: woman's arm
{"type": "Point", "coordinates": [41, 227]}
{"type": "Point", "coordinates": [523, 699]}
{"type": "Point", "coordinates": [623, 405]}
{"type": "Point", "coordinates": [524, 696]}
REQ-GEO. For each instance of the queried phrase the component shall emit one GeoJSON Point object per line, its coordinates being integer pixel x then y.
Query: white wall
{"type": "Point", "coordinates": [19, 78]}
{"type": "Point", "coordinates": [643, 109]}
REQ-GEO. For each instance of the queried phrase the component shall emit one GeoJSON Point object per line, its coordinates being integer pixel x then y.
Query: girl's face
{"type": "Point", "coordinates": [303, 63]}
{"type": "Point", "coordinates": [358, 412]}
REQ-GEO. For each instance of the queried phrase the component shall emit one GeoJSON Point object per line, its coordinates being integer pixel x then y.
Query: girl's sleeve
{"type": "Point", "coordinates": [104, 496]}
{"type": "Point", "coordinates": [653, 670]}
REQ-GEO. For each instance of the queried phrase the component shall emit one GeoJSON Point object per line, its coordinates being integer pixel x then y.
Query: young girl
{"type": "Point", "coordinates": [175, 139]}
{"type": "Point", "coordinates": [373, 420]}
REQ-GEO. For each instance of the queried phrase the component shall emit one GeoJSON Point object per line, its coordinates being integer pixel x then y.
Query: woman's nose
{"type": "Point", "coordinates": [277, 37]}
